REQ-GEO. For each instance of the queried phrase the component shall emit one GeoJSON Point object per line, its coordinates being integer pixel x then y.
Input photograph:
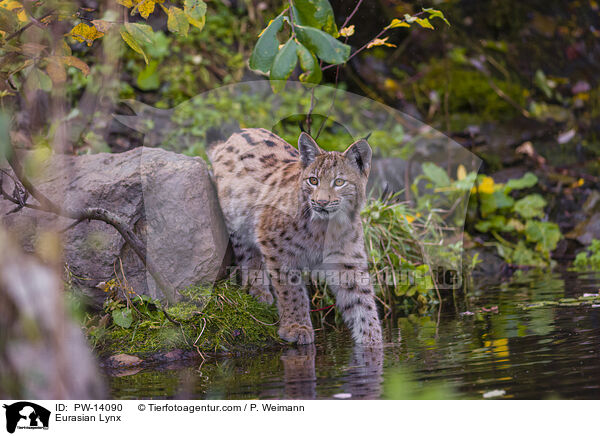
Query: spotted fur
{"type": "Point", "coordinates": [290, 210]}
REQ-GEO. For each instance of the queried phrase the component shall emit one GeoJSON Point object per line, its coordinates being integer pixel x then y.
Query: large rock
{"type": "Point", "coordinates": [168, 198]}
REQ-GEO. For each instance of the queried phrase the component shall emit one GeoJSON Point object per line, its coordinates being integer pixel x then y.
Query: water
{"type": "Point", "coordinates": [549, 352]}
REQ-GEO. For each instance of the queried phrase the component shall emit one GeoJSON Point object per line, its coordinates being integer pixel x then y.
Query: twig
{"type": "Point", "coordinates": [90, 213]}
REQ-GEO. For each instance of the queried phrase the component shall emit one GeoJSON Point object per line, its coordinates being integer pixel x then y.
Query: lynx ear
{"type": "Point", "coordinates": [309, 150]}
{"type": "Point", "coordinates": [359, 156]}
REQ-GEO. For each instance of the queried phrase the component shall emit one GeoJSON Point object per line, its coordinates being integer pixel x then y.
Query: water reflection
{"type": "Point", "coordinates": [551, 352]}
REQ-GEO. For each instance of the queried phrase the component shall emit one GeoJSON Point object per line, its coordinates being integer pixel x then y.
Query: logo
{"type": "Point", "coordinates": [26, 415]}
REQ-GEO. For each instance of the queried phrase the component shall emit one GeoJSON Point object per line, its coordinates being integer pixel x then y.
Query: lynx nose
{"type": "Point", "coordinates": [322, 203]}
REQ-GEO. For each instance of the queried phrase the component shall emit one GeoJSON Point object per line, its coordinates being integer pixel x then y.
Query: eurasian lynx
{"type": "Point", "coordinates": [290, 211]}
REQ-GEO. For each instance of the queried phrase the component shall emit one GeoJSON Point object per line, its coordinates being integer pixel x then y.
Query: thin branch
{"type": "Point", "coordinates": [385, 29]}
{"type": "Point", "coordinates": [90, 213]}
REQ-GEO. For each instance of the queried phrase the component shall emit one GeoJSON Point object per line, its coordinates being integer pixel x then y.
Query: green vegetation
{"type": "Point", "coordinates": [588, 259]}
{"type": "Point", "coordinates": [220, 320]}
{"type": "Point", "coordinates": [517, 217]}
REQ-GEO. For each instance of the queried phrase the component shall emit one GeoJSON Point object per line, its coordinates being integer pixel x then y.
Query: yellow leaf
{"type": "Point", "coordinates": [347, 31]}
{"type": "Point", "coordinates": [397, 23]}
{"type": "Point", "coordinates": [146, 7]}
{"type": "Point", "coordinates": [12, 5]}
{"type": "Point", "coordinates": [578, 183]}
{"type": "Point", "coordinates": [197, 23]}
{"type": "Point", "coordinates": [131, 42]}
{"type": "Point", "coordinates": [72, 61]}
{"type": "Point", "coordinates": [126, 3]}
{"type": "Point", "coordinates": [461, 172]}
{"type": "Point", "coordinates": [380, 41]}
{"type": "Point", "coordinates": [424, 22]}
{"type": "Point", "coordinates": [84, 33]}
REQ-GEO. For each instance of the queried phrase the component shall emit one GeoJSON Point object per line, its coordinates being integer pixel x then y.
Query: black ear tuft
{"type": "Point", "coordinates": [359, 154]}
{"type": "Point", "coordinates": [309, 150]}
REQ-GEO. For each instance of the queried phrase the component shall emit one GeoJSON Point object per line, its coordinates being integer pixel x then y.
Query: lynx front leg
{"type": "Point", "coordinates": [293, 305]}
{"type": "Point", "coordinates": [355, 299]}
{"type": "Point", "coordinates": [249, 259]}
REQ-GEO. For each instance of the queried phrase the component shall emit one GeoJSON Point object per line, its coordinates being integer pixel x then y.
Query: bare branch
{"type": "Point", "coordinates": [79, 215]}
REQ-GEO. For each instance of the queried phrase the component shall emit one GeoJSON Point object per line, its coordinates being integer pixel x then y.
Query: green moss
{"type": "Point", "coordinates": [223, 319]}
{"type": "Point", "coordinates": [471, 99]}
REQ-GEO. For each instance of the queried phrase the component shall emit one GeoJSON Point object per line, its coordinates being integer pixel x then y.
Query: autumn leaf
{"type": "Point", "coordinates": [177, 22]}
{"type": "Point", "coordinates": [84, 33]}
{"type": "Point", "coordinates": [347, 31]}
{"type": "Point", "coordinates": [424, 22]}
{"type": "Point", "coordinates": [56, 70]}
{"type": "Point", "coordinates": [101, 25]}
{"type": "Point", "coordinates": [397, 23]}
{"type": "Point", "coordinates": [126, 3]}
{"type": "Point", "coordinates": [15, 6]}
{"type": "Point", "coordinates": [131, 42]}
{"type": "Point", "coordinates": [195, 11]}
{"type": "Point", "coordinates": [145, 8]}
{"type": "Point", "coordinates": [380, 41]}
{"type": "Point", "coordinates": [72, 61]}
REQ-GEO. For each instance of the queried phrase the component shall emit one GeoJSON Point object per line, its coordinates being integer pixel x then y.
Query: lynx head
{"type": "Point", "coordinates": [333, 183]}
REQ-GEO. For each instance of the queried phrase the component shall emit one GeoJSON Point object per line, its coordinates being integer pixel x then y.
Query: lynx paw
{"type": "Point", "coordinates": [262, 294]}
{"type": "Point", "coordinates": [301, 334]}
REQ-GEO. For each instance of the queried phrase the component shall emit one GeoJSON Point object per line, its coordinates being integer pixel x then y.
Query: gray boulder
{"type": "Point", "coordinates": [168, 199]}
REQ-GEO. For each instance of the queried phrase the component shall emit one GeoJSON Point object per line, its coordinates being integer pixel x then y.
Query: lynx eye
{"type": "Point", "coordinates": [339, 182]}
{"type": "Point", "coordinates": [313, 181]}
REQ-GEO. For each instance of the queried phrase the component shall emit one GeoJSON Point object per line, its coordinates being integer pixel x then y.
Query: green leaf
{"type": "Point", "coordinates": [5, 145]}
{"type": "Point", "coordinates": [142, 33]}
{"type": "Point", "coordinates": [284, 63]}
{"type": "Point", "coordinates": [434, 13]}
{"type": "Point", "coordinates": [527, 181]}
{"type": "Point", "coordinates": [315, 13]}
{"type": "Point", "coordinates": [177, 21]}
{"type": "Point", "coordinates": [436, 175]}
{"type": "Point", "coordinates": [488, 204]}
{"type": "Point", "coordinates": [545, 234]}
{"type": "Point", "coordinates": [38, 80]}
{"type": "Point", "coordinates": [266, 47]}
{"type": "Point", "coordinates": [502, 200]}
{"type": "Point", "coordinates": [122, 317]}
{"type": "Point", "coordinates": [496, 222]}
{"type": "Point", "coordinates": [323, 45]}
{"type": "Point", "coordinates": [542, 82]}
{"type": "Point", "coordinates": [147, 79]}
{"type": "Point", "coordinates": [530, 206]}
{"type": "Point", "coordinates": [131, 42]}
{"type": "Point", "coordinates": [8, 21]}
{"type": "Point", "coordinates": [309, 64]}
{"type": "Point", "coordinates": [195, 11]}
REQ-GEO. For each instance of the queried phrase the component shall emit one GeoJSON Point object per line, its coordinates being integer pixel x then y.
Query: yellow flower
{"type": "Point", "coordinates": [485, 187]}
